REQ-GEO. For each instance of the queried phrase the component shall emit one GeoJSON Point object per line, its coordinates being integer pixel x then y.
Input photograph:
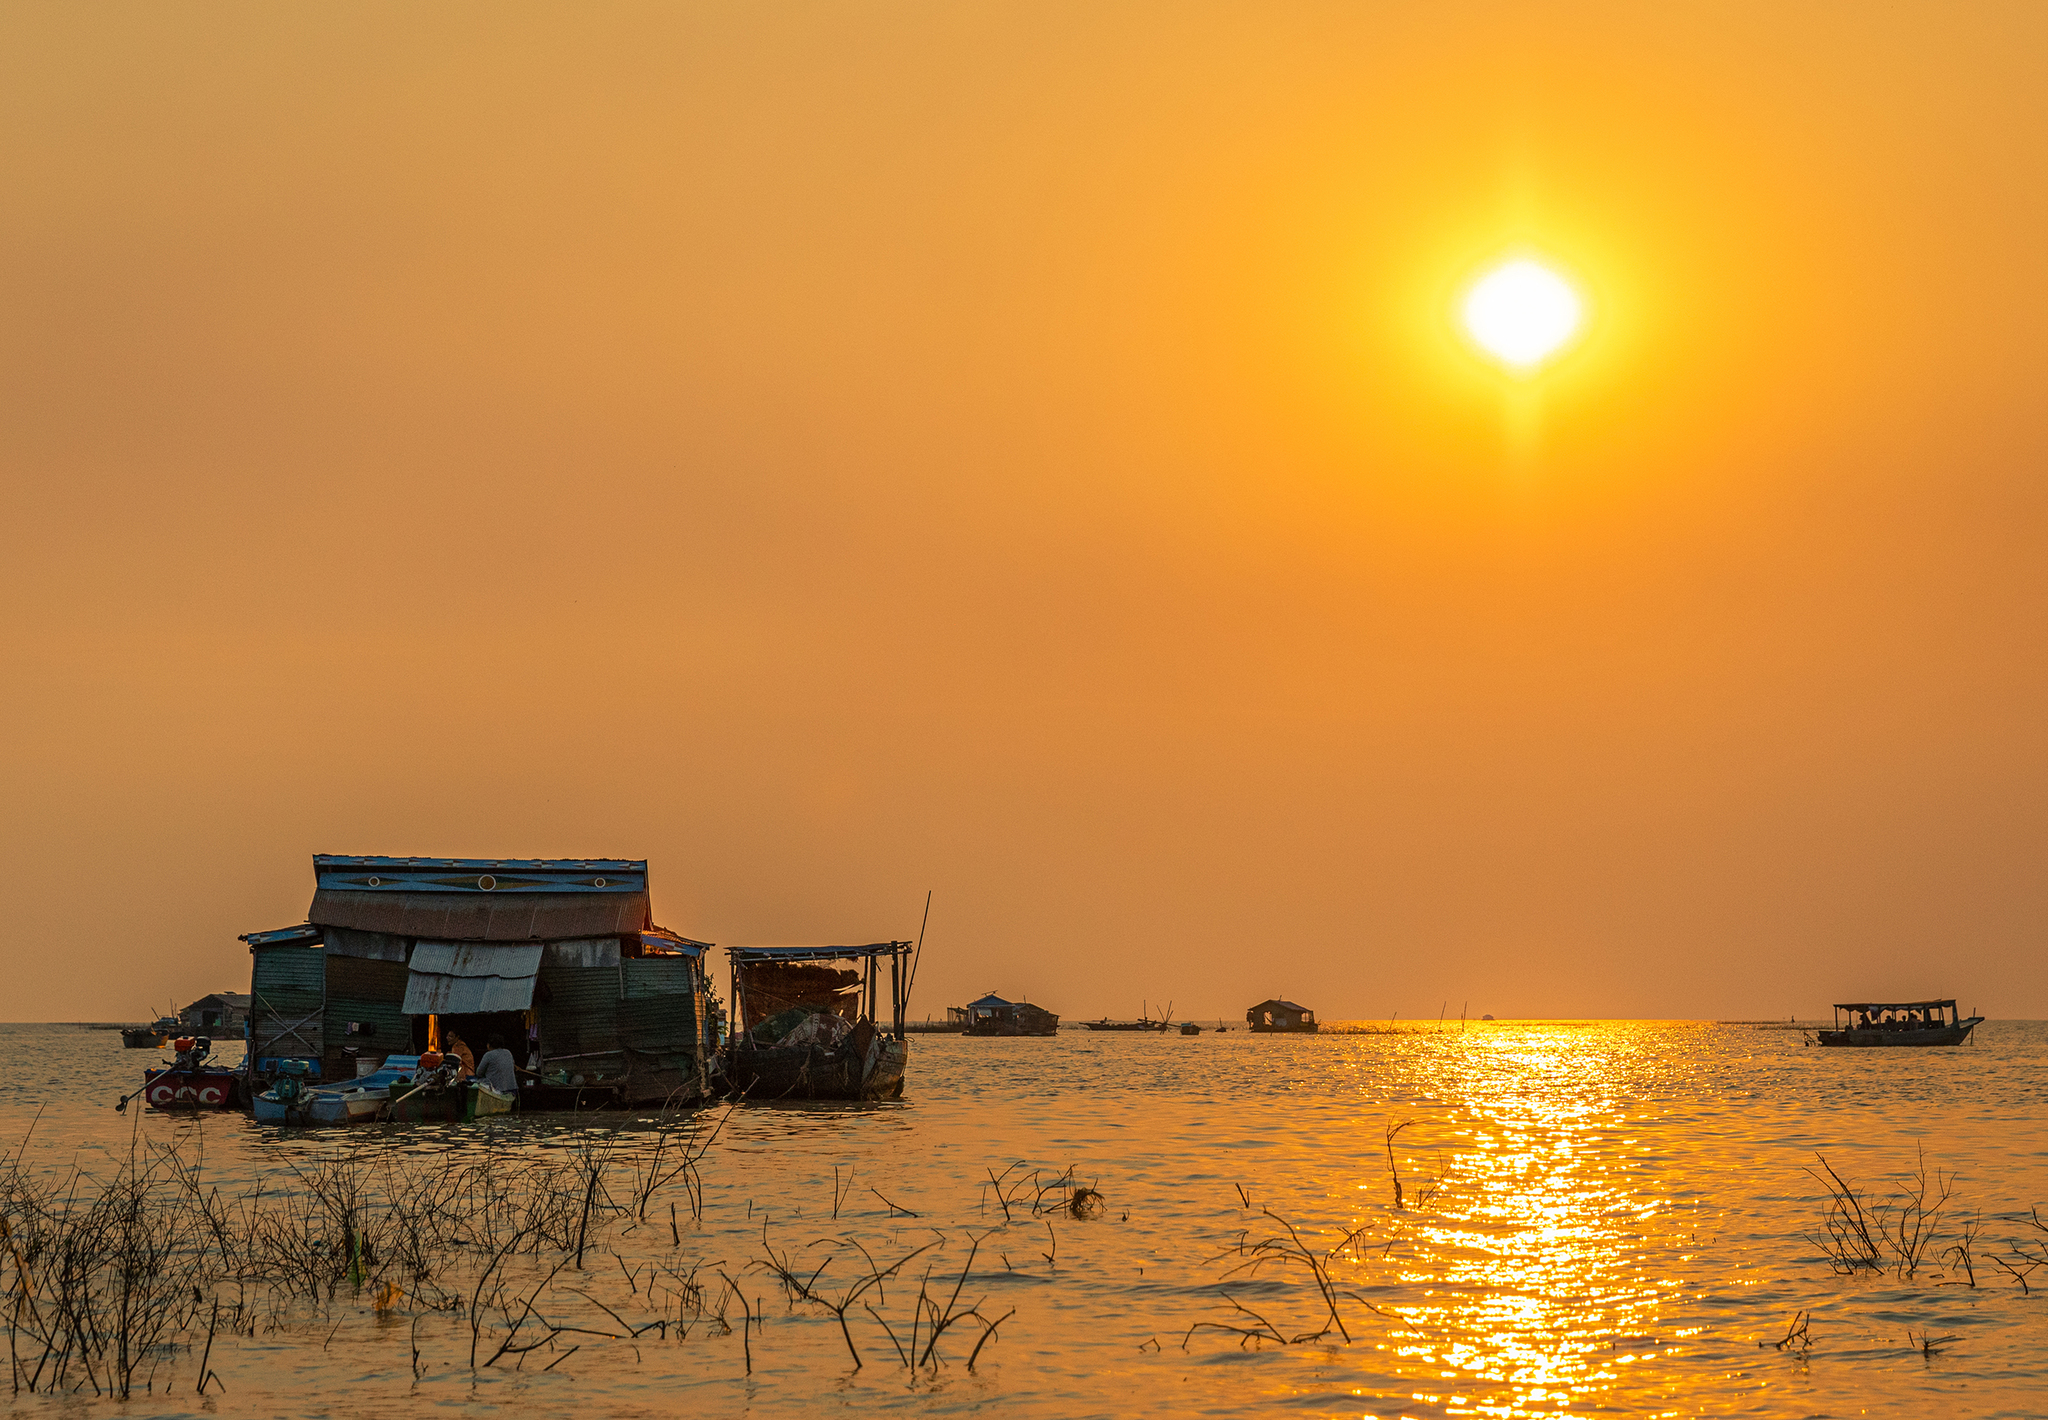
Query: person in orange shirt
{"type": "Point", "coordinates": [459, 1048]}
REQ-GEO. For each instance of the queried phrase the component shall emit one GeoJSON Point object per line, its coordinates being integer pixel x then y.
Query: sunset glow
{"type": "Point", "coordinates": [1522, 313]}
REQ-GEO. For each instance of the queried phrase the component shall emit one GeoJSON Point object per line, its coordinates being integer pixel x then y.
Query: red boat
{"type": "Point", "coordinates": [191, 1089]}
{"type": "Point", "coordinates": [189, 1083]}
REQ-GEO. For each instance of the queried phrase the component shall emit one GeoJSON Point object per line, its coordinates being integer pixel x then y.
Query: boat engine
{"type": "Point", "coordinates": [290, 1088]}
{"type": "Point", "coordinates": [192, 1050]}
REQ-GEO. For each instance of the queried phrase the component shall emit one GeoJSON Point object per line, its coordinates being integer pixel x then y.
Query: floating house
{"type": "Point", "coordinates": [992, 1015]}
{"type": "Point", "coordinates": [1277, 1017]}
{"type": "Point", "coordinates": [222, 1014]}
{"type": "Point", "coordinates": [559, 957]}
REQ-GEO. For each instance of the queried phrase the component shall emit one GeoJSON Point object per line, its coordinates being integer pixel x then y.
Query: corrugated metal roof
{"type": "Point", "coordinates": [281, 936]}
{"type": "Point", "coordinates": [483, 916]}
{"type": "Point", "coordinates": [476, 958]}
{"type": "Point", "coordinates": [660, 939]}
{"type": "Point", "coordinates": [990, 1000]}
{"type": "Point", "coordinates": [459, 978]}
{"type": "Point", "coordinates": [873, 949]}
{"type": "Point", "coordinates": [430, 994]}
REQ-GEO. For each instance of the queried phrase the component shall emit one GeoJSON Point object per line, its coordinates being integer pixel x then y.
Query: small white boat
{"type": "Point", "coordinates": [363, 1101]}
{"type": "Point", "coordinates": [360, 1101]}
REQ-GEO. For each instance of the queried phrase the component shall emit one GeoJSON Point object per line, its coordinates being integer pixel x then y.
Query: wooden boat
{"type": "Point", "coordinates": [1143, 1023]}
{"type": "Point", "coordinates": [812, 1072]}
{"type": "Point", "coordinates": [810, 1021]}
{"type": "Point", "coordinates": [151, 1037]}
{"type": "Point", "coordinates": [1190, 1028]}
{"type": "Point", "coordinates": [460, 1102]}
{"type": "Point", "coordinates": [189, 1082]}
{"type": "Point", "coordinates": [1900, 1023]}
{"type": "Point", "coordinates": [207, 1087]}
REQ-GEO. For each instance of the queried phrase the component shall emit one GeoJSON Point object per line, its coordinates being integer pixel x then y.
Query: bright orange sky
{"type": "Point", "coordinates": [837, 450]}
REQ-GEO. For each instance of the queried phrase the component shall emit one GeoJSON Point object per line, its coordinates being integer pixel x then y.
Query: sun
{"type": "Point", "coordinates": [1521, 313]}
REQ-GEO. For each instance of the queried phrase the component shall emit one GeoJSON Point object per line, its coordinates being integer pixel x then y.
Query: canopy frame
{"type": "Point", "coordinates": [868, 962]}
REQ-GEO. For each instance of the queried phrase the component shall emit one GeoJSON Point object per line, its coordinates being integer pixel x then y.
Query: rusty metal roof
{"type": "Point", "coordinates": [482, 899]}
{"type": "Point", "coordinates": [483, 916]}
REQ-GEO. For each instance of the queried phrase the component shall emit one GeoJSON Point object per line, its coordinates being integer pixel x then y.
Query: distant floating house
{"type": "Point", "coordinates": [1281, 1017]}
{"type": "Point", "coordinates": [992, 1015]}
{"type": "Point", "coordinates": [221, 1014]}
{"type": "Point", "coordinates": [559, 957]}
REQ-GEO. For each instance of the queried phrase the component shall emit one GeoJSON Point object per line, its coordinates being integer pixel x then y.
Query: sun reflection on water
{"type": "Point", "coordinates": [1526, 1272]}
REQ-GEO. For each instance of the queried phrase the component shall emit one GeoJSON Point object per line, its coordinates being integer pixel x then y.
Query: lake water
{"type": "Point", "coordinates": [1596, 1218]}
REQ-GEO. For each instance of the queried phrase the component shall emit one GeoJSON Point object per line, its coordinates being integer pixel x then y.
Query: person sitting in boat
{"type": "Point", "coordinates": [496, 1068]}
{"type": "Point", "coordinates": [458, 1049]}
{"type": "Point", "coordinates": [1862, 1021]}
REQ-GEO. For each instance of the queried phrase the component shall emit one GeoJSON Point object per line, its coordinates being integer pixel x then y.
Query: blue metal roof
{"type": "Point", "coordinates": [282, 936]}
{"type": "Point", "coordinates": [663, 940]}
{"type": "Point", "coordinates": [332, 872]}
{"type": "Point", "coordinates": [990, 1000]}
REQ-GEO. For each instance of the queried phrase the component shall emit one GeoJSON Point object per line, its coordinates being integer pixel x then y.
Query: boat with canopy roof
{"type": "Point", "coordinates": [1899, 1023]}
{"type": "Point", "coordinates": [819, 1022]}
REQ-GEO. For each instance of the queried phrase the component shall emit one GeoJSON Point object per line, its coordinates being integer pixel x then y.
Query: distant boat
{"type": "Point", "coordinates": [151, 1037]}
{"type": "Point", "coordinates": [1144, 1021]}
{"type": "Point", "coordinates": [1190, 1028]}
{"type": "Point", "coordinates": [1900, 1023]}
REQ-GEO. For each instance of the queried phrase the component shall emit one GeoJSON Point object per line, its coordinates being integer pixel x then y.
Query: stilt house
{"type": "Point", "coordinates": [558, 957]}
{"type": "Point", "coordinates": [1277, 1016]}
{"type": "Point", "coordinates": [992, 1015]}
{"type": "Point", "coordinates": [221, 1014]}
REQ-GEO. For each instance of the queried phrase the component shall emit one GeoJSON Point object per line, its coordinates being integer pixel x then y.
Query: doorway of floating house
{"type": "Point", "coordinates": [518, 1029]}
